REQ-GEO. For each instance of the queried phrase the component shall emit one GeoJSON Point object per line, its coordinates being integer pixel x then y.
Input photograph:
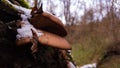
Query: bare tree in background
{"type": "Point", "coordinates": [67, 9]}
{"type": "Point", "coordinates": [51, 6]}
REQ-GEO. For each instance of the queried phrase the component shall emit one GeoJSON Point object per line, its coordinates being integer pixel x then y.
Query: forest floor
{"type": "Point", "coordinates": [92, 43]}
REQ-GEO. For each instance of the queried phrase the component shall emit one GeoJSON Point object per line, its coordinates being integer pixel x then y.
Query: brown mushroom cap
{"type": "Point", "coordinates": [48, 39]}
{"type": "Point", "coordinates": [49, 23]}
{"type": "Point", "coordinates": [54, 40]}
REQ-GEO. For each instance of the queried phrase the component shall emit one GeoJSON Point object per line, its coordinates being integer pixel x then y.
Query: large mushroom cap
{"type": "Point", "coordinates": [47, 38]}
{"type": "Point", "coordinates": [54, 40]}
{"type": "Point", "coordinates": [49, 23]}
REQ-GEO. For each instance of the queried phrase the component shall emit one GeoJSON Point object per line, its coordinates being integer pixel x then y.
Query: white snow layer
{"type": "Point", "coordinates": [71, 65]}
{"type": "Point", "coordinates": [93, 65]}
{"type": "Point", "coordinates": [25, 30]}
{"type": "Point", "coordinates": [22, 10]}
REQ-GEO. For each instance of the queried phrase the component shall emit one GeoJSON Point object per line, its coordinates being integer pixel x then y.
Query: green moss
{"type": "Point", "coordinates": [5, 6]}
{"type": "Point", "coordinates": [23, 3]}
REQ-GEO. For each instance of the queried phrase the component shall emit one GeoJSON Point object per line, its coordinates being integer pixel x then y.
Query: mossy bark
{"type": "Point", "coordinates": [5, 6]}
{"type": "Point", "coordinates": [23, 3]}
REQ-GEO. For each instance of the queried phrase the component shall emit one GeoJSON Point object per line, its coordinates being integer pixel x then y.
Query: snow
{"type": "Point", "coordinates": [93, 65]}
{"type": "Point", "coordinates": [25, 30]}
{"type": "Point", "coordinates": [71, 65]}
{"type": "Point", "coordinates": [21, 9]}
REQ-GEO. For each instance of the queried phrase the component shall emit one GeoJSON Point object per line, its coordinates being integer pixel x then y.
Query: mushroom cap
{"type": "Point", "coordinates": [54, 40]}
{"type": "Point", "coordinates": [49, 23]}
{"type": "Point", "coordinates": [48, 39]}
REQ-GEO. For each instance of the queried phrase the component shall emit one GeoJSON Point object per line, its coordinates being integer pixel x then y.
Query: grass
{"type": "Point", "coordinates": [111, 62]}
{"type": "Point", "coordinates": [89, 52]}
{"type": "Point", "coordinates": [93, 51]}
{"type": "Point", "coordinates": [89, 41]}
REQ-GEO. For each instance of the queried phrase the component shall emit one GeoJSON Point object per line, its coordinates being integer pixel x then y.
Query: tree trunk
{"type": "Point", "coordinates": [12, 56]}
{"type": "Point", "coordinates": [7, 7]}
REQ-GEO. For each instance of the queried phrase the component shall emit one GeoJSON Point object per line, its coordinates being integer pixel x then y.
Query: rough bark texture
{"type": "Point", "coordinates": [5, 6]}
{"type": "Point", "coordinates": [6, 17]}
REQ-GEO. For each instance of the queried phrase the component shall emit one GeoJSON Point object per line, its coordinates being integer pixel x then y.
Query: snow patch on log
{"type": "Point", "coordinates": [21, 9]}
{"type": "Point", "coordinates": [25, 30]}
{"type": "Point", "coordinates": [71, 65]}
{"type": "Point", "coordinates": [93, 65]}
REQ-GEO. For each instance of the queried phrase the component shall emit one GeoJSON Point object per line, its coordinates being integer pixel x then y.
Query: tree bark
{"type": "Point", "coordinates": [13, 56]}
{"type": "Point", "coordinates": [23, 3]}
{"type": "Point", "coordinates": [5, 6]}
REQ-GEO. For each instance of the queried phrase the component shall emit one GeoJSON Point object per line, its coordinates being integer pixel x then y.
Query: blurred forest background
{"type": "Point", "coordinates": [93, 28]}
